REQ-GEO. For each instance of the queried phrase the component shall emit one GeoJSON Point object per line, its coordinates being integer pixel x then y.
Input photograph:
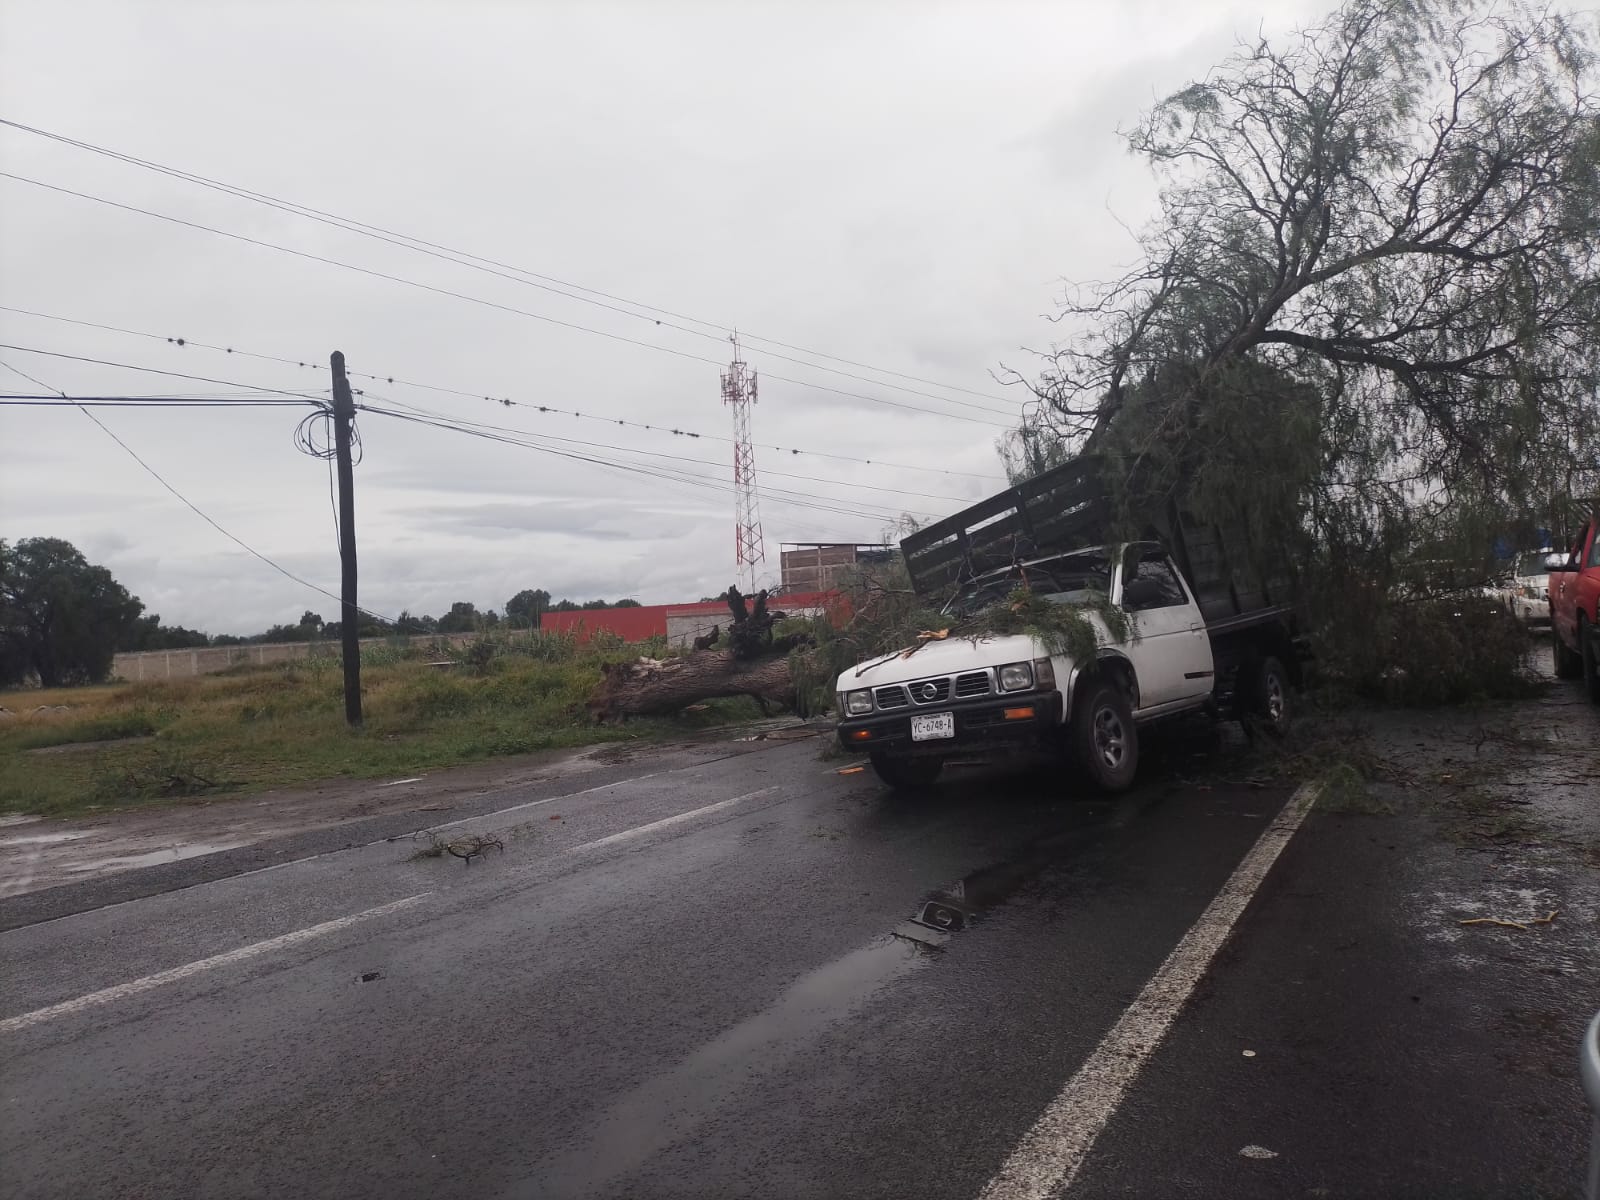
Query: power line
{"type": "Point", "coordinates": [302, 435]}
{"type": "Point", "coordinates": [470, 299]}
{"type": "Point", "coordinates": [793, 499]}
{"type": "Point", "coordinates": [159, 478]}
{"type": "Point", "coordinates": [478, 262]}
{"type": "Point", "coordinates": [303, 396]}
{"type": "Point", "coordinates": [175, 341]}
{"type": "Point", "coordinates": [676, 431]}
{"type": "Point", "coordinates": [704, 462]}
{"type": "Point", "coordinates": [141, 402]}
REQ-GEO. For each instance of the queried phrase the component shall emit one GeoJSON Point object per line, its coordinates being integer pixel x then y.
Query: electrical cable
{"type": "Point", "coordinates": [704, 462]}
{"type": "Point", "coordinates": [159, 478]}
{"type": "Point", "coordinates": [778, 496]}
{"type": "Point", "coordinates": [479, 262]}
{"type": "Point", "coordinates": [470, 299]}
{"type": "Point", "coordinates": [183, 342]}
{"type": "Point", "coordinates": [157, 371]}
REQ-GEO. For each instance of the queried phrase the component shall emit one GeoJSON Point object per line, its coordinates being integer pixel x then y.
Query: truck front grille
{"type": "Point", "coordinates": [974, 683]}
{"type": "Point", "coordinates": [891, 697]}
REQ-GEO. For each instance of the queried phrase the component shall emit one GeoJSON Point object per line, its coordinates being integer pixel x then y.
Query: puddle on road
{"type": "Point", "coordinates": [123, 862]}
{"type": "Point", "coordinates": [43, 839]}
{"type": "Point", "coordinates": [958, 906]}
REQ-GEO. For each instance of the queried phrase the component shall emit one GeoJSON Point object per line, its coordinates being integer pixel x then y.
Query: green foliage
{"type": "Point", "coordinates": [1063, 629]}
{"type": "Point", "coordinates": [135, 722]}
{"type": "Point", "coordinates": [1450, 649]}
{"type": "Point", "coordinates": [283, 724]}
{"type": "Point", "coordinates": [148, 633]}
{"type": "Point", "coordinates": [889, 618]}
{"type": "Point", "coordinates": [61, 617]}
{"type": "Point", "coordinates": [462, 618]}
{"type": "Point", "coordinates": [1382, 325]}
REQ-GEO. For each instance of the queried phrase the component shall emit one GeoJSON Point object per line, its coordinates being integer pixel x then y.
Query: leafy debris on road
{"type": "Point", "coordinates": [468, 848]}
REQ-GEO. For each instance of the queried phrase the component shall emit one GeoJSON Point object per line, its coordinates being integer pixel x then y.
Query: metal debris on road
{"type": "Point", "coordinates": [1249, 1053]}
{"type": "Point", "coordinates": [1257, 1152]}
{"type": "Point", "coordinates": [1522, 925]}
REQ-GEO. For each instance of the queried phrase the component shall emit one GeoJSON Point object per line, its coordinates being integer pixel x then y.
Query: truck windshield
{"type": "Point", "coordinates": [1070, 579]}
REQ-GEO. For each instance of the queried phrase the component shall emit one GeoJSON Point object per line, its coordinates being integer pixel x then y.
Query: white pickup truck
{"type": "Point", "coordinates": [910, 713]}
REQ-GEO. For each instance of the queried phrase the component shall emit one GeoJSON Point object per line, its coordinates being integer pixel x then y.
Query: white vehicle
{"type": "Point", "coordinates": [1527, 592]}
{"type": "Point", "coordinates": [953, 696]}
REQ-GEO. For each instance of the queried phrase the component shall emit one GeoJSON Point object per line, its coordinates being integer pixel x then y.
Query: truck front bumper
{"type": "Point", "coordinates": [1014, 720]}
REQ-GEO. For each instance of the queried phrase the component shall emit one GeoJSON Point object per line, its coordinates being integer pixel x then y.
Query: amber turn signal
{"type": "Point", "coordinates": [1019, 714]}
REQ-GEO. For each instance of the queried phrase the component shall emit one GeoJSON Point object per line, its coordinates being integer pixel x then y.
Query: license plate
{"type": "Point", "coordinates": [933, 727]}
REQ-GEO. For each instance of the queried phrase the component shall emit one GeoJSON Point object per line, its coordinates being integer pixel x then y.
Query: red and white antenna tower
{"type": "Point", "coordinates": [739, 392]}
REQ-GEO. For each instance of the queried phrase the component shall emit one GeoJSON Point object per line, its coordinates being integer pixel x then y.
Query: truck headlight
{"type": "Point", "coordinates": [1016, 677]}
{"type": "Point", "coordinates": [858, 704]}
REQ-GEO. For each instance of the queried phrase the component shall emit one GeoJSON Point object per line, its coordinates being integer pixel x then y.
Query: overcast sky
{"type": "Point", "coordinates": [904, 186]}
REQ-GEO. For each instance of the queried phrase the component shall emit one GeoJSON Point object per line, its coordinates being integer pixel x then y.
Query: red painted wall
{"type": "Point", "coordinates": [650, 620]}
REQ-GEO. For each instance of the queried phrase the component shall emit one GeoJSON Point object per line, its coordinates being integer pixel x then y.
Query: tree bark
{"type": "Point", "coordinates": [659, 686]}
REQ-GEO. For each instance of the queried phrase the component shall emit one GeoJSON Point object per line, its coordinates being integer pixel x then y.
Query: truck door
{"type": "Point", "coordinates": [1168, 644]}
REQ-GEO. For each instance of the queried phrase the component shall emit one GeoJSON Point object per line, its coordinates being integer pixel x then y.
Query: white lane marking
{"type": "Point", "coordinates": [1051, 1153]}
{"type": "Point", "coordinates": [500, 812]}
{"type": "Point", "coordinates": [295, 862]}
{"type": "Point", "coordinates": [641, 830]}
{"type": "Point", "coordinates": [123, 990]}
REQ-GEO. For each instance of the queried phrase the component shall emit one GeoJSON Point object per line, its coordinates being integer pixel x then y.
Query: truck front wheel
{"type": "Point", "coordinates": [1104, 739]}
{"type": "Point", "coordinates": [1569, 663]}
{"type": "Point", "coordinates": [905, 773]}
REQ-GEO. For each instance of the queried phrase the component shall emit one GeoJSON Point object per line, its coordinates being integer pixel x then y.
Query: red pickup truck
{"type": "Point", "coordinates": [1574, 619]}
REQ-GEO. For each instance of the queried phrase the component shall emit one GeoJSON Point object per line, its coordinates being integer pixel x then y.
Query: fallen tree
{"type": "Point", "coordinates": [755, 662]}
{"type": "Point", "coordinates": [652, 686]}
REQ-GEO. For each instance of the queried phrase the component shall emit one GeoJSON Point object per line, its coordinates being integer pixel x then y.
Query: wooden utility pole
{"type": "Point", "coordinates": [344, 415]}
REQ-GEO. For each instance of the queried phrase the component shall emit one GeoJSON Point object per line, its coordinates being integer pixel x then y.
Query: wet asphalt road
{"type": "Point", "coordinates": [698, 978]}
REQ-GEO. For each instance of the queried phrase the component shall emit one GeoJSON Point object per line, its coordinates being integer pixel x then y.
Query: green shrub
{"type": "Point", "coordinates": [1438, 650]}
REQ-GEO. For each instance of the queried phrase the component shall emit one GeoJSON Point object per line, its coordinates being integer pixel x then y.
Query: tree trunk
{"type": "Point", "coordinates": [652, 686]}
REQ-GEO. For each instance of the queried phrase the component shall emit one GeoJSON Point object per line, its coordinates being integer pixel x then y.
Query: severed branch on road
{"type": "Point", "coordinates": [746, 659]}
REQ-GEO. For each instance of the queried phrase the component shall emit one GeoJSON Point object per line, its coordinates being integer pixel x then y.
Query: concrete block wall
{"type": "Point", "coordinates": [207, 660]}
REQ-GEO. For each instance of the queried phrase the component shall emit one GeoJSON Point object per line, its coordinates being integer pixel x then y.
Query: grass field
{"type": "Point", "coordinates": [256, 728]}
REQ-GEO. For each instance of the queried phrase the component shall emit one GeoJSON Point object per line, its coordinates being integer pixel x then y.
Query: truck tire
{"type": "Point", "coordinates": [1589, 658]}
{"type": "Point", "coordinates": [1266, 706]}
{"type": "Point", "coordinates": [1104, 739]}
{"type": "Point", "coordinates": [905, 774]}
{"type": "Point", "coordinates": [1569, 663]}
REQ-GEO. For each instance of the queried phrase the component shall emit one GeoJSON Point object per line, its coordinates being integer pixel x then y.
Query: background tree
{"type": "Point", "coordinates": [462, 618]}
{"type": "Point", "coordinates": [525, 608]}
{"type": "Point", "coordinates": [1371, 289]}
{"type": "Point", "coordinates": [148, 633]}
{"type": "Point", "coordinates": [60, 616]}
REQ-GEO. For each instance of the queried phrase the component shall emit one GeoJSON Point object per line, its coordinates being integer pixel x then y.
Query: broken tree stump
{"type": "Point", "coordinates": [657, 687]}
